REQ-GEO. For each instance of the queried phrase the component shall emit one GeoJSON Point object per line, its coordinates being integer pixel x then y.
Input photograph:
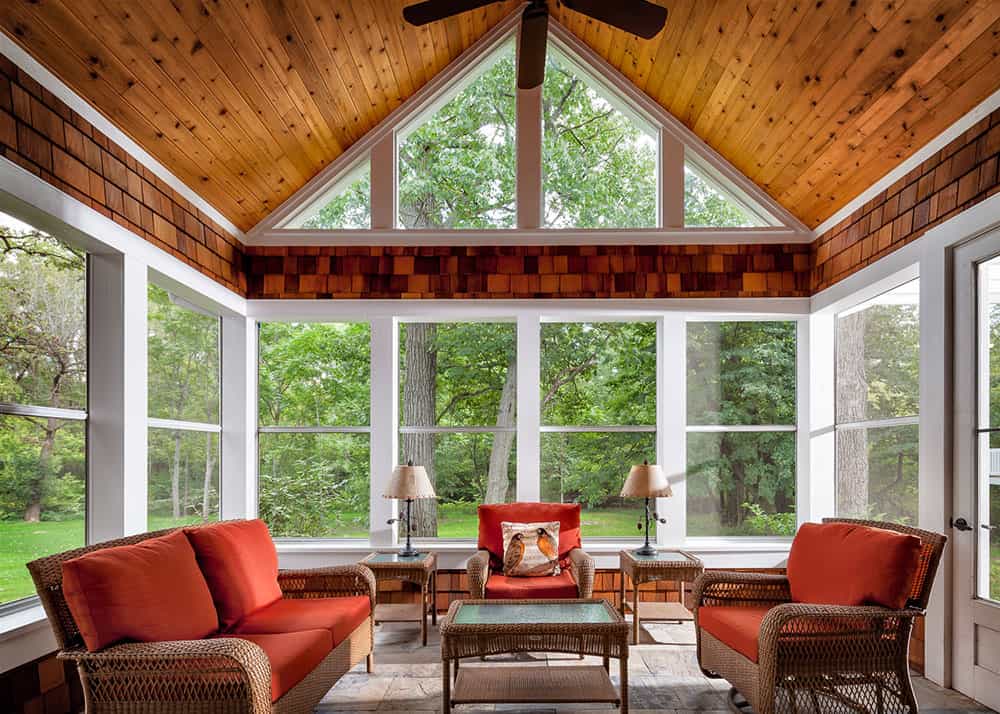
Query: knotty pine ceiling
{"type": "Point", "coordinates": [245, 100]}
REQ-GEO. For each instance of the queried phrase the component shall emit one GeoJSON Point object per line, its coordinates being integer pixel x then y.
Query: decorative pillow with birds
{"type": "Point", "coordinates": [530, 549]}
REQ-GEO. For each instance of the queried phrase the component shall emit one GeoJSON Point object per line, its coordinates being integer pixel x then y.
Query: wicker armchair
{"type": "Point", "coordinates": [225, 675]}
{"type": "Point", "coordinates": [814, 658]}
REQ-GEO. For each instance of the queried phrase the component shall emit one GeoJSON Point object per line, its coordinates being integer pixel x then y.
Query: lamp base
{"type": "Point", "coordinates": [645, 550]}
{"type": "Point", "coordinates": [408, 552]}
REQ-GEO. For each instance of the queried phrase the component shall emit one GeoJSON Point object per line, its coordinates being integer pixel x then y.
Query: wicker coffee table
{"type": "Point", "coordinates": [663, 565]}
{"type": "Point", "coordinates": [420, 569]}
{"type": "Point", "coordinates": [477, 628]}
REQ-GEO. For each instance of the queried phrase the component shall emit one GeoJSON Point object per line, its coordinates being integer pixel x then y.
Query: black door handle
{"type": "Point", "coordinates": [988, 527]}
{"type": "Point", "coordinates": [961, 524]}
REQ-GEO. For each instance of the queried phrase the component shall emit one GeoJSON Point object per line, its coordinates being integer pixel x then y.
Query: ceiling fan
{"type": "Point", "coordinates": [638, 17]}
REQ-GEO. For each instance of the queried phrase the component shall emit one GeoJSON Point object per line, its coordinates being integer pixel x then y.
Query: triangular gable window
{"type": "Point", "coordinates": [707, 205]}
{"type": "Point", "coordinates": [347, 205]}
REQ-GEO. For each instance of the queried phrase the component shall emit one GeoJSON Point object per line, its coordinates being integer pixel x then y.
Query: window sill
{"type": "Point", "coordinates": [25, 635]}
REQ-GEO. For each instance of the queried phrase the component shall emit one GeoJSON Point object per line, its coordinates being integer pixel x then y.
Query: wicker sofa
{"type": "Point", "coordinates": [790, 644]}
{"type": "Point", "coordinates": [485, 580]}
{"type": "Point", "coordinates": [280, 658]}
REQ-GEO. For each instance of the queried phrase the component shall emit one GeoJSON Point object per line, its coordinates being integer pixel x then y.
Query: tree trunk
{"type": "Point", "coordinates": [419, 400]}
{"type": "Point", "coordinates": [33, 511]}
{"type": "Point", "coordinates": [207, 483]}
{"type": "Point", "coordinates": [497, 480]}
{"type": "Point", "coordinates": [852, 398]}
{"type": "Point", "coordinates": [175, 477]}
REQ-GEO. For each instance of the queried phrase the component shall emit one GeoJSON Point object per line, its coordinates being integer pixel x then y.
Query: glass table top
{"type": "Point", "coordinates": [397, 558]}
{"type": "Point", "coordinates": [662, 556]}
{"type": "Point", "coordinates": [501, 613]}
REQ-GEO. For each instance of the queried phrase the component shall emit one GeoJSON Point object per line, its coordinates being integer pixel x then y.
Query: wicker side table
{"type": "Point", "coordinates": [673, 565]}
{"type": "Point", "coordinates": [421, 570]}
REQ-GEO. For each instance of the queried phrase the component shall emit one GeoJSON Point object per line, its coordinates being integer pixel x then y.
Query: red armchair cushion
{"type": "Point", "coordinates": [492, 515]}
{"type": "Point", "coordinates": [292, 655]}
{"type": "Point", "coordinates": [849, 564]}
{"type": "Point", "coordinates": [500, 587]}
{"type": "Point", "coordinates": [339, 615]}
{"type": "Point", "coordinates": [151, 591]}
{"type": "Point", "coordinates": [738, 627]}
{"type": "Point", "coordinates": [241, 566]}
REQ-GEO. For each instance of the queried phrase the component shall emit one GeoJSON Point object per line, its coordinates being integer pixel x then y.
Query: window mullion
{"type": "Point", "coordinates": [382, 200]}
{"type": "Point", "coordinates": [384, 444]}
{"type": "Point", "coordinates": [671, 185]}
{"type": "Point", "coordinates": [529, 349]}
{"type": "Point", "coordinates": [529, 158]}
{"type": "Point", "coordinates": [238, 443]}
{"type": "Point", "coordinates": [671, 436]}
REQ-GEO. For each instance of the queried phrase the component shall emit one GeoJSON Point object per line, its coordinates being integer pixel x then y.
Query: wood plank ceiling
{"type": "Point", "coordinates": [245, 100]}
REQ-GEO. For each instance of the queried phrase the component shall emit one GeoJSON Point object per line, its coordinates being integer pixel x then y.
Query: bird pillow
{"type": "Point", "coordinates": [530, 549]}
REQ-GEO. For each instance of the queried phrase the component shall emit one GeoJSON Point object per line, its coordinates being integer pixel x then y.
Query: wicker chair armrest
{"type": "Point", "coordinates": [722, 587]}
{"type": "Point", "coordinates": [176, 675]}
{"type": "Point", "coordinates": [478, 570]}
{"type": "Point", "coordinates": [582, 571]}
{"type": "Point", "coordinates": [334, 581]}
{"type": "Point", "coordinates": [795, 621]}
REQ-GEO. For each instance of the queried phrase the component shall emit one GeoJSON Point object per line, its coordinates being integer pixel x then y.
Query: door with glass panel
{"type": "Point", "coordinates": [976, 515]}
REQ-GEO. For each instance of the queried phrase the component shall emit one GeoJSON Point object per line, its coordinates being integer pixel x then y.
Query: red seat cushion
{"type": "Point", "coordinates": [292, 655]}
{"type": "Point", "coordinates": [492, 515]}
{"type": "Point", "coordinates": [849, 564]}
{"type": "Point", "coordinates": [500, 587]}
{"type": "Point", "coordinates": [738, 627]}
{"type": "Point", "coordinates": [151, 591]}
{"type": "Point", "coordinates": [339, 615]}
{"type": "Point", "coordinates": [241, 566]}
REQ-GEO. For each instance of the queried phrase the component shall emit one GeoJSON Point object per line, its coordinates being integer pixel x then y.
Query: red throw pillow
{"type": "Point", "coordinates": [151, 591]}
{"type": "Point", "coordinates": [492, 515]}
{"type": "Point", "coordinates": [850, 564]}
{"type": "Point", "coordinates": [241, 566]}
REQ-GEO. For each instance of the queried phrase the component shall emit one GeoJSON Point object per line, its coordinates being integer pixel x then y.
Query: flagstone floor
{"type": "Point", "coordinates": [663, 678]}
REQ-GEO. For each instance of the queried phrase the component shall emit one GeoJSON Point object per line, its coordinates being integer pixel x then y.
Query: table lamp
{"type": "Point", "coordinates": [647, 481]}
{"type": "Point", "coordinates": [407, 483]}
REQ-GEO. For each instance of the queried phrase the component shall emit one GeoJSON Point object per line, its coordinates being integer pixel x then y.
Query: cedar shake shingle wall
{"type": "Point", "coordinates": [43, 135]}
{"type": "Point", "coordinates": [959, 176]}
{"type": "Point", "coordinates": [530, 272]}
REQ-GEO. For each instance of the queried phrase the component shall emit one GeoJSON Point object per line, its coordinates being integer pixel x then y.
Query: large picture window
{"type": "Point", "coordinates": [598, 408]}
{"type": "Point", "coordinates": [741, 420]}
{"type": "Point", "coordinates": [43, 401]}
{"type": "Point", "coordinates": [877, 406]}
{"type": "Point", "coordinates": [184, 411]}
{"type": "Point", "coordinates": [314, 396]}
{"type": "Point", "coordinates": [458, 384]}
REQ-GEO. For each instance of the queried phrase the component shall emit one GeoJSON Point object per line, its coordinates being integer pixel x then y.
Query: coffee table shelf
{"type": "Point", "coordinates": [528, 685]}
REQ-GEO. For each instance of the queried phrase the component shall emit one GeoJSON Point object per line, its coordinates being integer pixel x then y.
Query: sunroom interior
{"type": "Point", "coordinates": [259, 257]}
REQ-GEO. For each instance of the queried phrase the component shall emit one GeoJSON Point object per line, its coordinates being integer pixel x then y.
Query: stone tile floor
{"type": "Point", "coordinates": [663, 678]}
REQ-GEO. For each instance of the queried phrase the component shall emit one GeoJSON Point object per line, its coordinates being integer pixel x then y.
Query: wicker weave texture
{"type": "Point", "coordinates": [582, 569]}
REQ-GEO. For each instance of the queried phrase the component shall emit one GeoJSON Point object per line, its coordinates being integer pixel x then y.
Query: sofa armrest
{"type": "Point", "coordinates": [583, 572]}
{"type": "Point", "coordinates": [176, 676]}
{"type": "Point", "coordinates": [721, 587]}
{"type": "Point", "coordinates": [478, 570]}
{"type": "Point", "coordinates": [334, 581]}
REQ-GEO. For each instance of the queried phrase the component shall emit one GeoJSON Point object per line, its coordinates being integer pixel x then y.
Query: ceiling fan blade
{"type": "Point", "coordinates": [433, 10]}
{"type": "Point", "coordinates": [639, 17]}
{"type": "Point", "coordinates": [531, 47]}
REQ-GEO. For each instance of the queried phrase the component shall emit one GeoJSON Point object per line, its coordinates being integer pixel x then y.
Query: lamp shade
{"type": "Point", "coordinates": [646, 481]}
{"type": "Point", "coordinates": [409, 481]}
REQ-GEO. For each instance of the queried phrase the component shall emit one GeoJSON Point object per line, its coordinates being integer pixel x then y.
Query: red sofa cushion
{"type": "Point", "coordinates": [292, 655]}
{"type": "Point", "coordinates": [241, 566]}
{"type": "Point", "coordinates": [738, 627]}
{"type": "Point", "coordinates": [150, 591]}
{"type": "Point", "coordinates": [339, 615]}
{"type": "Point", "coordinates": [501, 587]}
{"type": "Point", "coordinates": [849, 564]}
{"type": "Point", "coordinates": [492, 515]}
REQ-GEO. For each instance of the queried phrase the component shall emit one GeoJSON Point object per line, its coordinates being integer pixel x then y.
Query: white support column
{"type": "Point", "coordinates": [671, 435]}
{"type": "Point", "coordinates": [384, 427]}
{"type": "Point", "coordinates": [671, 198]}
{"type": "Point", "coordinates": [530, 205]}
{"type": "Point", "coordinates": [817, 489]}
{"type": "Point", "coordinates": [238, 479]}
{"type": "Point", "coordinates": [803, 471]}
{"type": "Point", "coordinates": [934, 482]}
{"type": "Point", "coordinates": [116, 429]}
{"type": "Point", "coordinates": [529, 417]}
{"type": "Point", "coordinates": [383, 182]}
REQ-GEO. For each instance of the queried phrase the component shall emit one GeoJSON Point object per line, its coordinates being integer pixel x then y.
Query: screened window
{"type": "Point", "coordinates": [43, 398]}
{"type": "Point", "coordinates": [184, 411]}
{"type": "Point", "coordinates": [598, 162]}
{"type": "Point", "coordinates": [741, 428]}
{"type": "Point", "coordinates": [458, 384]}
{"type": "Point", "coordinates": [877, 406]}
{"type": "Point", "coordinates": [456, 168]}
{"type": "Point", "coordinates": [314, 396]}
{"type": "Point", "coordinates": [348, 206]}
{"type": "Point", "coordinates": [598, 409]}
{"type": "Point", "coordinates": [707, 205]}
